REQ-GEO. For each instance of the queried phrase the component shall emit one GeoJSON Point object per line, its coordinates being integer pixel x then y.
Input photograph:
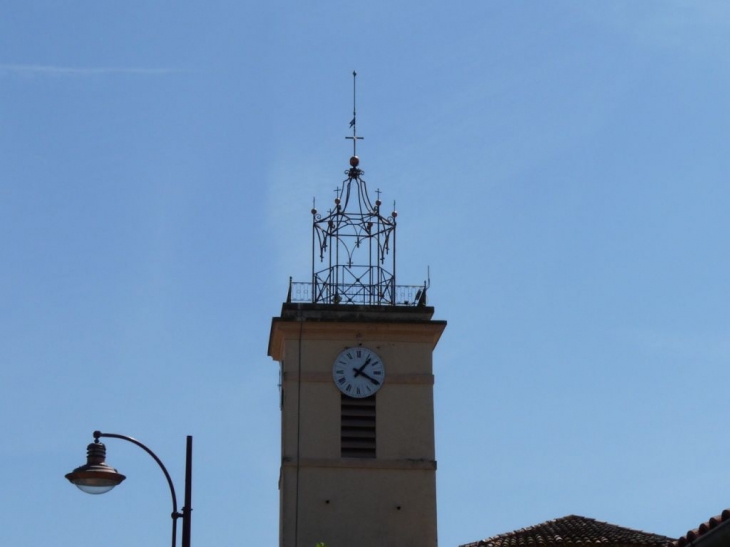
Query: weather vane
{"type": "Point", "coordinates": [353, 122]}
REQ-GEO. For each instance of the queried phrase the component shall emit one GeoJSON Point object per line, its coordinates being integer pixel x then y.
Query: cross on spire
{"type": "Point", "coordinates": [353, 122]}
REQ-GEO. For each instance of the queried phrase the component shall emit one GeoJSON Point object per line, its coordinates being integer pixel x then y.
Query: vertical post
{"type": "Point", "coordinates": [187, 508]}
{"type": "Point", "coordinates": [392, 278]}
{"type": "Point", "coordinates": [314, 279]}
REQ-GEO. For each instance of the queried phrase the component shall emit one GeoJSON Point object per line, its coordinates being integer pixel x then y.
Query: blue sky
{"type": "Point", "coordinates": [560, 167]}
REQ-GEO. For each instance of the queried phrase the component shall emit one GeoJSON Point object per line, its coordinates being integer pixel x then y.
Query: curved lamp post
{"type": "Point", "coordinates": [98, 477]}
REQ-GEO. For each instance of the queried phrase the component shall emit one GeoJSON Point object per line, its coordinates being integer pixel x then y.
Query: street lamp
{"type": "Point", "coordinates": [98, 477]}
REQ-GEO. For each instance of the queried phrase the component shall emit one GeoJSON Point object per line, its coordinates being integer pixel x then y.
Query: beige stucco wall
{"type": "Point", "coordinates": [355, 502]}
{"type": "Point", "coordinates": [360, 507]}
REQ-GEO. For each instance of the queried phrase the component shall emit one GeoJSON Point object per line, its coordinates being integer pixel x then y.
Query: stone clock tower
{"type": "Point", "coordinates": [358, 466]}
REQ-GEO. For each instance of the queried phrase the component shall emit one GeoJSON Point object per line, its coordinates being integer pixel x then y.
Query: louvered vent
{"type": "Point", "coordinates": [358, 427]}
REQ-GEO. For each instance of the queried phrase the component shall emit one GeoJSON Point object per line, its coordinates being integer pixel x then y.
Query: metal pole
{"type": "Point", "coordinates": [188, 484]}
{"type": "Point", "coordinates": [188, 508]}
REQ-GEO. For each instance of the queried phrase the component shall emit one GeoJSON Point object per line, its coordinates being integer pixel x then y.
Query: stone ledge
{"type": "Point", "coordinates": [326, 377]}
{"type": "Point", "coordinates": [362, 463]}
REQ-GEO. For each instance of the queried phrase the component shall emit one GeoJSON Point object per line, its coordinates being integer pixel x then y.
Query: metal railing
{"type": "Point", "coordinates": [352, 294]}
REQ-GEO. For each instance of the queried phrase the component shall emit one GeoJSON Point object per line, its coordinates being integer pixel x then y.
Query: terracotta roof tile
{"type": "Point", "coordinates": [702, 529]}
{"type": "Point", "coordinates": [574, 530]}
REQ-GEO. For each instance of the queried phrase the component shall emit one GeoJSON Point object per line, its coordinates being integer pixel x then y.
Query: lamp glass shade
{"type": "Point", "coordinates": [95, 481]}
{"type": "Point", "coordinates": [95, 489]}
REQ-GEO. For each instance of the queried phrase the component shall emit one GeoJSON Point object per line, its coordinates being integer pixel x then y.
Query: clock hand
{"type": "Point", "coordinates": [358, 371]}
{"type": "Point", "coordinates": [373, 380]}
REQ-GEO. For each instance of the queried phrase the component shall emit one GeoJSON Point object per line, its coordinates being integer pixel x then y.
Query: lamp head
{"type": "Point", "coordinates": [96, 477]}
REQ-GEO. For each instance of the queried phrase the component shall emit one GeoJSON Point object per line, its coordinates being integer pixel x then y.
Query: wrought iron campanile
{"type": "Point", "coordinates": [350, 244]}
{"type": "Point", "coordinates": [353, 247]}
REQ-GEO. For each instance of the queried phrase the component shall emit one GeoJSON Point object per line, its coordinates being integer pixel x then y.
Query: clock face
{"type": "Point", "coordinates": [358, 372]}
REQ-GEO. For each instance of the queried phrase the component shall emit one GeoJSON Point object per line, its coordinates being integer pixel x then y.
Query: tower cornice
{"type": "Point", "coordinates": [325, 322]}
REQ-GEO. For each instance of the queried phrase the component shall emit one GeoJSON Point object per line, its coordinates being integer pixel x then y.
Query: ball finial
{"type": "Point", "coordinates": [354, 161]}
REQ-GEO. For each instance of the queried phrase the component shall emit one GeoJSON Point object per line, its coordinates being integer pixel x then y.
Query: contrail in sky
{"type": "Point", "coordinates": [46, 69]}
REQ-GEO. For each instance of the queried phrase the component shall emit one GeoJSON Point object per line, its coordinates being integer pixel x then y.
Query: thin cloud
{"type": "Point", "coordinates": [73, 71]}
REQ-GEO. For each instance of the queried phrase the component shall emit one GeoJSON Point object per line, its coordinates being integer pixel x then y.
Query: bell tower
{"type": "Point", "coordinates": [358, 465]}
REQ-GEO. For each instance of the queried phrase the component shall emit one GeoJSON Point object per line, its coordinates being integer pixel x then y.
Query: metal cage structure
{"type": "Point", "coordinates": [353, 247]}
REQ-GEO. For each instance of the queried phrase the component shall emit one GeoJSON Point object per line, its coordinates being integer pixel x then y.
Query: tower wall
{"type": "Point", "coordinates": [382, 501]}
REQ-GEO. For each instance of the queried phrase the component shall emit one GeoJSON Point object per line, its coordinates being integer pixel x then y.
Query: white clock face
{"type": "Point", "coordinates": [358, 372]}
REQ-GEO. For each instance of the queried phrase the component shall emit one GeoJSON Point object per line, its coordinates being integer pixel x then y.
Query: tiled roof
{"type": "Point", "coordinates": [705, 527]}
{"type": "Point", "coordinates": [574, 530]}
